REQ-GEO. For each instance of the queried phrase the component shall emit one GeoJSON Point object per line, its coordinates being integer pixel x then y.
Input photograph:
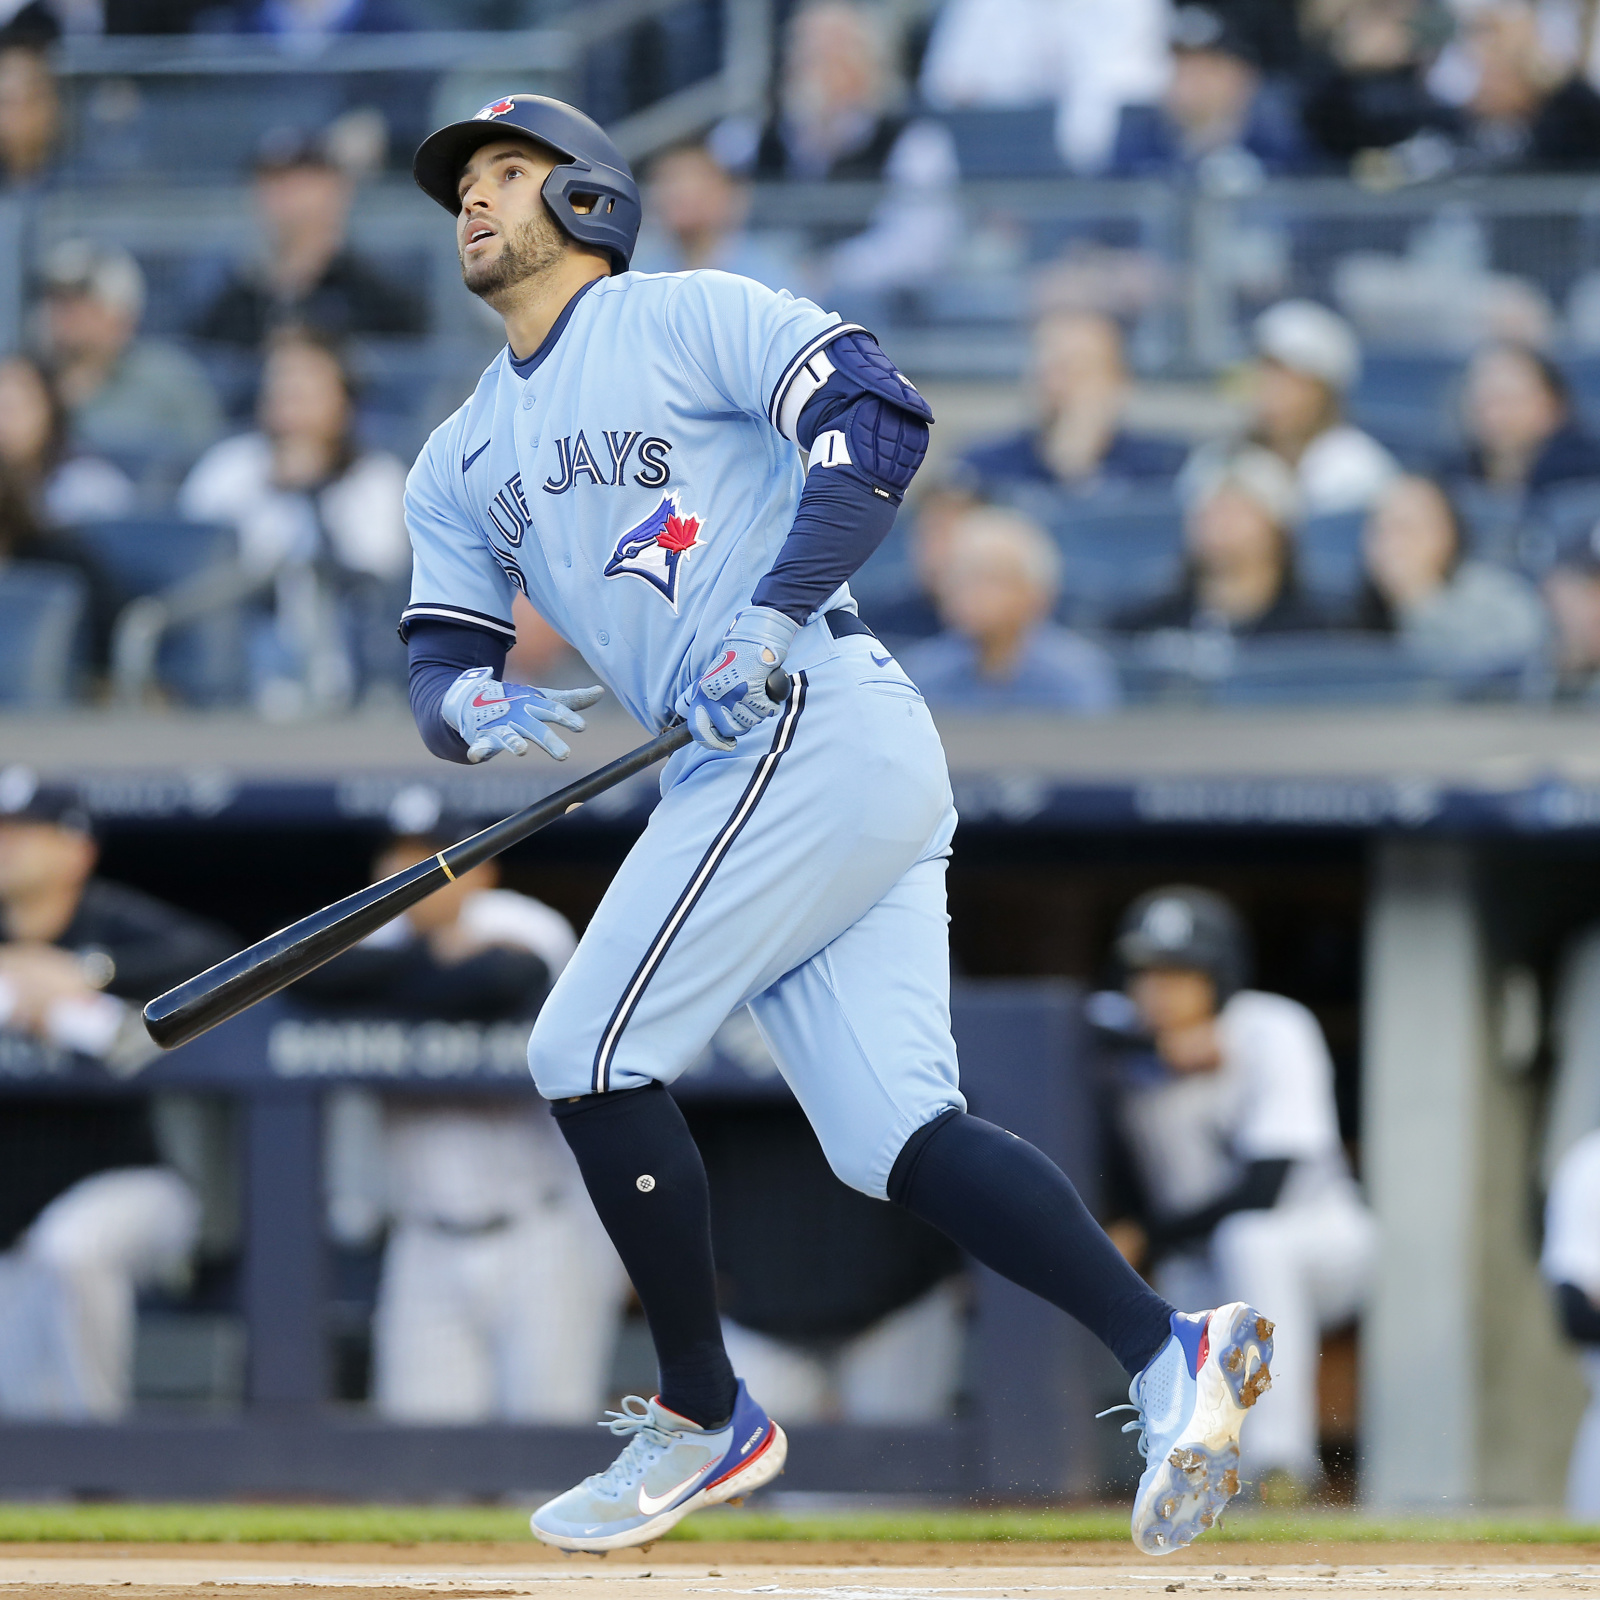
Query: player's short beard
{"type": "Point", "coordinates": [533, 247]}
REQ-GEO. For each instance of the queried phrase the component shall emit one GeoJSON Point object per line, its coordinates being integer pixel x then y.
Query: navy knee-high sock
{"type": "Point", "coordinates": [1013, 1208]}
{"type": "Point", "coordinates": [644, 1173]}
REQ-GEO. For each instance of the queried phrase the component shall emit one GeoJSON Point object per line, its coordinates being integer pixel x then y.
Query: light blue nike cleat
{"type": "Point", "coordinates": [668, 1468]}
{"type": "Point", "coordinates": [1191, 1402]}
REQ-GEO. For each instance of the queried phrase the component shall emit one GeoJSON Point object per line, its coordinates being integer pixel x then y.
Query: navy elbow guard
{"type": "Point", "coordinates": [853, 408]}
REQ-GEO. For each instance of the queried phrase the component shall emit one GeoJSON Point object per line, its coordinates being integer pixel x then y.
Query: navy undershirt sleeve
{"type": "Point", "coordinates": [438, 653]}
{"type": "Point", "coordinates": [841, 519]}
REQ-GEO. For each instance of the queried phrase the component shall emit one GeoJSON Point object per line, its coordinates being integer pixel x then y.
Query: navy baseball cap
{"type": "Point", "coordinates": [25, 798]}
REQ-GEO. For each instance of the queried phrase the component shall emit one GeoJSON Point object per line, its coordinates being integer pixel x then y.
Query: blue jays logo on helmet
{"type": "Point", "coordinates": [655, 548]}
{"type": "Point", "coordinates": [495, 108]}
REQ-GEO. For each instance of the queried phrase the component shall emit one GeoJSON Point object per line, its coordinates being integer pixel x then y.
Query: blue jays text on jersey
{"type": "Point", "coordinates": [647, 530]}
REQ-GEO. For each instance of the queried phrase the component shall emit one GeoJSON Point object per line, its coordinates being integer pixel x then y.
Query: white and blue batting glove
{"type": "Point", "coordinates": [730, 697]}
{"type": "Point", "coordinates": [493, 716]}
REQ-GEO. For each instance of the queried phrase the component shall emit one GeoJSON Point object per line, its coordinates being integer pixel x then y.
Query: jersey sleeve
{"type": "Point", "coordinates": [745, 347]}
{"type": "Point", "coordinates": [1288, 1110]}
{"type": "Point", "coordinates": [454, 575]}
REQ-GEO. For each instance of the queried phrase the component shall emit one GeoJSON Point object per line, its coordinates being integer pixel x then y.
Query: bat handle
{"type": "Point", "coordinates": [777, 686]}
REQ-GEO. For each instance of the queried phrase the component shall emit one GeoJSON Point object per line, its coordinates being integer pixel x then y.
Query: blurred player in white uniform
{"type": "Point", "coordinates": [1571, 1262]}
{"type": "Point", "coordinates": [501, 1295]}
{"type": "Point", "coordinates": [1233, 1136]}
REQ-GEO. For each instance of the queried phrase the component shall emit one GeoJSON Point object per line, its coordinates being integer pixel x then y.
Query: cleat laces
{"type": "Point", "coordinates": [648, 1442]}
{"type": "Point", "coordinates": [1136, 1426]}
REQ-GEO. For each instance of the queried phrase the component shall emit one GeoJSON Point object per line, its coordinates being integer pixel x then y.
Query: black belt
{"type": "Point", "coordinates": [841, 624]}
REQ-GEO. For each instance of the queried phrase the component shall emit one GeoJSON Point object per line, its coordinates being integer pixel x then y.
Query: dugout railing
{"type": "Point", "coordinates": [1023, 1429]}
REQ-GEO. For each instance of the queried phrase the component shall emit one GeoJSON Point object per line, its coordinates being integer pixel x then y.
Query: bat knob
{"type": "Point", "coordinates": [777, 686]}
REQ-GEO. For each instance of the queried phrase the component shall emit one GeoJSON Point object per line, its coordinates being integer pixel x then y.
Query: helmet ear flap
{"type": "Point", "coordinates": [609, 219]}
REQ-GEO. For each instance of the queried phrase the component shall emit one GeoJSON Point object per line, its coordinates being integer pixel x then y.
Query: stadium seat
{"type": "Point", "coordinates": [202, 661]}
{"type": "Point", "coordinates": [1117, 552]}
{"type": "Point", "coordinates": [42, 609]}
{"type": "Point", "coordinates": [1408, 402]}
{"type": "Point", "coordinates": [1328, 556]}
{"type": "Point", "coordinates": [1013, 142]}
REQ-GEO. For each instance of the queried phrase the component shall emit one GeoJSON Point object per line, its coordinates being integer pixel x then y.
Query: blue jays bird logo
{"type": "Point", "coordinates": [496, 108]}
{"type": "Point", "coordinates": [655, 548]}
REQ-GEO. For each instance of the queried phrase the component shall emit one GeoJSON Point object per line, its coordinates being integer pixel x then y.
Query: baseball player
{"type": "Point", "coordinates": [1234, 1142]}
{"type": "Point", "coordinates": [1571, 1262]}
{"type": "Point", "coordinates": [632, 463]}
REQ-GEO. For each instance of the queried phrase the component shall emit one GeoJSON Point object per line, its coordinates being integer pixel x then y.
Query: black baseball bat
{"type": "Point", "coordinates": [234, 985]}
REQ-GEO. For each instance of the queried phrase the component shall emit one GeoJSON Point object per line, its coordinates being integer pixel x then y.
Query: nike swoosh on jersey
{"type": "Point", "coordinates": [466, 461]}
{"type": "Point", "coordinates": [882, 661]}
{"type": "Point", "coordinates": [649, 1504]}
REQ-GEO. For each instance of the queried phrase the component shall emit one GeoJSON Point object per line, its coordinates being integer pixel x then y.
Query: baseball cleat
{"type": "Point", "coordinates": [668, 1468]}
{"type": "Point", "coordinates": [1191, 1402]}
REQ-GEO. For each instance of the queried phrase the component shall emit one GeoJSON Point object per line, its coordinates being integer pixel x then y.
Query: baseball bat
{"type": "Point", "coordinates": [234, 985]}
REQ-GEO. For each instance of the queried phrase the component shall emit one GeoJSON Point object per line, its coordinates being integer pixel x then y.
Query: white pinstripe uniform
{"type": "Point", "coordinates": [801, 874]}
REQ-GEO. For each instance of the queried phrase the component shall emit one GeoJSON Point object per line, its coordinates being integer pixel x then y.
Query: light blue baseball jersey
{"type": "Point", "coordinates": [635, 478]}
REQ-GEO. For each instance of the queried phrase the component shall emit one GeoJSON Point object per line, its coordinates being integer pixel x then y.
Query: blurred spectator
{"type": "Point", "coordinates": [127, 396]}
{"type": "Point", "coordinates": [30, 115]}
{"type": "Point", "coordinates": [500, 1297]}
{"type": "Point", "coordinates": [1571, 1263]}
{"type": "Point", "coordinates": [1521, 432]}
{"type": "Point", "coordinates": [1089, 58]}
{"type": "Point", "coordinates": [1218, 118]}
{"type": "Point", "coordinates": [1528, 110]}
{"type": "Point", "coordinates": [695, 217]}
{"type": "Point", "coordinates": [1240, 574]}
{"type": "Point", "coordinates": [1080, 386]}
{"type": "Point", "coordinates": [836, 117]}
{"type": "Point", "coordinates": [308, 275]}
{"type": "Point", "coordinates": [65, 485]}
{"type": "Point", "coordinates": [910, 610]}
{"type": "Point", "coordinates": [1367, 87]}
{"type": "Point", "coordinates": [1240, 1187]}
{"type": "Point", "coordinates": [1455, 612]}
{"type": "Point", "coordinates": [315, 511]}
{"type": "Point", "coordinates": [86, 1211]}
{"type": "Point", "coordinates": [540, 654]}
{"type": "Point", "coordinates": [1001, 580]}
{"type": "Point", "coordinates": [1307, 360]}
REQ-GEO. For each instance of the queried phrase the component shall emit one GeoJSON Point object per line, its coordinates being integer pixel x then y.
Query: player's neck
{"type": "Point", "coordinates": [531, 309]}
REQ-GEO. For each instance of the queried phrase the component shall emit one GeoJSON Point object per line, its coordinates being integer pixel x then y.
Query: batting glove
{"type": "Point", "coordinates": [730, 698]}
{"type": "Point", "coordinates": [493, 716]}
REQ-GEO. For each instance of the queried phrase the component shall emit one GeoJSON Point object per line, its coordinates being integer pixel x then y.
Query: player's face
{"type": "Point", "coordinates": [505, 233]}
{"type": "Point", "coordinates": [1173, 997]}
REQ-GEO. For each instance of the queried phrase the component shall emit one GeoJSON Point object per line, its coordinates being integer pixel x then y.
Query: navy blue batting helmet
{"type": "Point", "coordinates": [1182, 926]}
{"type": "Point", "coordinates": [594, 169]}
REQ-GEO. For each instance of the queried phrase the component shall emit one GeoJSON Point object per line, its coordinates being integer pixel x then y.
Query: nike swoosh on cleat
{"type": "Point", "coordinates": [649, 1504]}
{"type": "Point", "coordinates": [466, 461]}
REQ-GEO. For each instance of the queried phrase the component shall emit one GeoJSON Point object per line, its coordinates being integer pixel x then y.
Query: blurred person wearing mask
{"type": "Point", "coordinates": [87, 1213]}
{"type": "Point", "coordinates": [126, 395]}
{"type": "Point", "coordinates": [695, 212]}
{"type": "Point", "coordinates": [65, 485]}
{"type": "Point", "coordinates": [1000, 651]}
{"type": "Point", "coordinates": [307, 275]}
{"type": "Point", "coordinates": [1367, 87]}
{"type": "Point", "coordinates": [1307, 360]}
{"type": "Point", "coordinates": [30, 115]}
{"type": "Point", "coordinates": [315, 511]}
{"type": "Point", "coordinates": [1240, 574]}
{"type": "Point", "coordinates": [1527, 111]}
{"type": "Point", "coordinates": [1570, 1262]}
{"type": "Point", "coordinates": [1522, 435]}
{"type": "Point", "coordinates": [1218, 119]}
{"type": "Point", "coordinates": [501, 1295]}
{"type": "Point", "coordinates": [835, 116]}
{"type": "Point", "coordinates": [1222, 1099]}
{"type": "Point", "coordinates": [1420, 586]}
{"type": "Point", "coordinates": [1080, 383]}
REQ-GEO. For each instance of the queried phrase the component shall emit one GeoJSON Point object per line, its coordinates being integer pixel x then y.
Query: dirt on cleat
{"type": "Point", "coordinates": [1191, 1464]}
{"type": "Point", "coordinates": [737, 1500]}
{"type": "Point", "coordinates": [1265, 1329]}
{"type": "Point", "coordinates": [1254, 1387]}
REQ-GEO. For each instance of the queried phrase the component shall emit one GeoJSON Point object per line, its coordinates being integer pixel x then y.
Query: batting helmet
{"type": "Point", "coordinates": [594, 168]}
{"type": "Point", "coordinates": [1181, 926]}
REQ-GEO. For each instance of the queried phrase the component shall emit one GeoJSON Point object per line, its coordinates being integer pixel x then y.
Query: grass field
{"type": "Point", "coordinates": [123, 1523]}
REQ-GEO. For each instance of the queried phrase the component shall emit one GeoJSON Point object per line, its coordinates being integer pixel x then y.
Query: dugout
{"type": "Point", "coordinates": [1407, 873]}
